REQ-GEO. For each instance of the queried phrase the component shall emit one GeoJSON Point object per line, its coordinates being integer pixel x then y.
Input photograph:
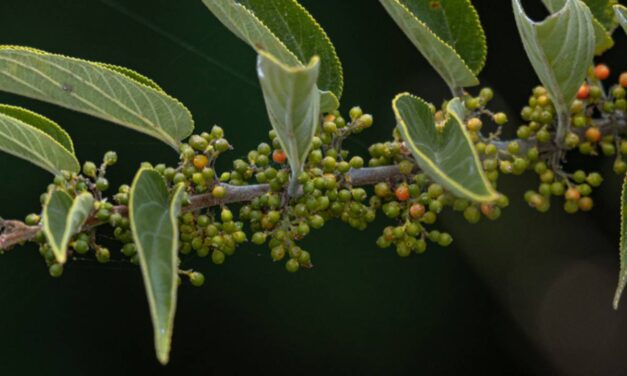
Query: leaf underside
{"type": "Point", "coordinates": [621, 16]}
{"type": "Point", "coordinates": [447, 33]}
{"type": "Point", "coordinates": [622, 275]}
{"type": "Point", "coordinates": [560, 49]}
{"type": "Point", "coordinates": [603, 39]}
{"type": "Point", "coordinates": [153, 217]}
{"type": "Point", "coordinates": [446, 155]}
{"type": "Point", "coordinates": [36, 139]}
{"type": "Point", "coordinates": [63, 218]}
{"type": "Point", "coordinates": [293, 105]}
{"type": "Point", "coordinates": [111, 93]}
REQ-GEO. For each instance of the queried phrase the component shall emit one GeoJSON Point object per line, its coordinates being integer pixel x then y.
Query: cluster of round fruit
{"type": "Point", "coordinates": [325, 191]}
{"type": "Point", "coordinates": [93, 181]}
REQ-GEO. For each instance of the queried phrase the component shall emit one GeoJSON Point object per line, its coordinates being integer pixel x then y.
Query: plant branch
{"type": "Point", "coordinates": [14, 232]}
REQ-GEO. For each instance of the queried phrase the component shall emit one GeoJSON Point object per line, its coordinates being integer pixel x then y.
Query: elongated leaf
{"type": "Point", "coordinates": [447, 33]}
{"type": "Point", "coordinates": [621, 16]}
{"type": "Point", "coordinates": [63, 218]}
{"type": "Point", "coordinates": [560, 49]}
{"type": "Point", "coordinates": [113, 94]}
{"type": "Point", "coordinates": [603, 39]}
{"type": "Point", "coordinates": [622, 275]}
{"type": "Point", "coordinates": [40, 122]}
{"type": "Point", "coordinates": [445, 152]}
{"type": "Point", "coordinates": [287, 31]}
{"type": "Point", "coordinates": [36, 139]}
{"type": "Point", "coordinates": [153, 217]}
{"type": "Point", "coordinates": [293, 105]}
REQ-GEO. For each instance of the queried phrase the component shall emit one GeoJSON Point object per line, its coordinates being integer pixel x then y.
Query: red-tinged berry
{"type": "Point", "coordinates": [593, 134]}
{"type": "Point", "coordinates": [583, 92]}
{"type": "Point", "coordinates": [278, 156]}
{"type": "Point", "coordinates": [402, 193]}
{"type": "Point", "coordinates": [601, 71]}
{"type": "Point", "coordinates": [417, 210]}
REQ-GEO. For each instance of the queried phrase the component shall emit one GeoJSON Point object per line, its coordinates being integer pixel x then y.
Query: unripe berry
{"type": "Point", "coordinates": [594, 179]}
{"type": "Point", "coordinates": [103, 255]}
{"type": "Point", "coordinates": [474, 124]}
{"type": "Point", "coordinates": [196, 279]}
{"type": "Point", "coordinates": [217, 257]}
{"type": "Point", "coordinates": [55, 270]}
{"type": "Point", "coordinates": [365, 120]}
{"type": "Point", "coordinates": [90, 169]}
{"type": "Point", "coordinates": [102, 184]}
{"type": "Point", "coordinates": [110, 158]}
{"type": "Point", "coordinates": [355, 113]}
{"type": "Point", "coordinates": [417, 210]}
{"type": "Point", "coordinates": [292, 265]}
{"type": "Point", "coordinates": [500, 118]}
{"type": "Point", "coordinates": [586, 204]}
{"type": "Point", "coordinates": [218, 191]}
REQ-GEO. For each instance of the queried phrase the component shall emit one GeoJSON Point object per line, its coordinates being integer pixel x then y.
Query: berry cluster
{"type": "Point", "coordinates": [327, 190]}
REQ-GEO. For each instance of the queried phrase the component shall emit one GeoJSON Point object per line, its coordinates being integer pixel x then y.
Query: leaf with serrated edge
{"type": "Point", "coordinates": [287, 31]}
{"type": "Point", "coordinates": [440, 54]}
{"type": "Point", "coordinates": [94, 89]}
{"type": "Point", "coordinates": [560, 49]}
{"type": "Point", "coordinates": [293, 105]}
{"type": "Point", "coordinates": [31, 143]}
{"type": "Point", "coordinates": [603, 39]}
{"type": "Point", "coordinates": [63, 218]}
{"type": "Point", "coordinates": [40, 122]}
{"type": "Point", "coordinates": [621, 15]}
{"type": "Point", "coordinates": [446, 155]}
{"type": "Point", "coordinates": [153, 218]}
{"type": "Point", "coordinates": [622, 275]}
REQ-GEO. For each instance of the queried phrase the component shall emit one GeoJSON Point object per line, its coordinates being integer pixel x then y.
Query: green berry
{"type": "Point", "coordinates": [102, 184]}
{"type": "Point", "coordinates": [103, 255]}
{"type": "Point", "coordinates": [217, 257]}
{"type": "Point", "coordinates": [90, 169]}
{"type": "Point", "coordinates": [196, 279]}
{"type": "Point", "coordinates": [110, 158]}
{"type": "Point", "coordinates": [55, 270]}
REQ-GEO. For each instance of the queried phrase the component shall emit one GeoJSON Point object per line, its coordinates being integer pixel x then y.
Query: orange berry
{"type": "Point", "coordinates": [593, 134]}
{"type": "Point", "coordinates": [622, 79]}
{"type": "Point", "coordinates": [585, 204]}
{"type": "Point", "coordinates": [486, 209]}
{"type": "Point", "coordinates": [572, 194]}
{"type": "Point", "coordinates": [279, 156]}
{"type": "Point", "coordinates": [417, 210]}
{"type": "Point", "coordinates": [402, 193]}
{"type": "Point", "coordinates": [583, 91]}
{"type": "Point", "coordinates": [602, 71]}
{"type": "Point", "coordinates": [200, 161]}
{"type": "Point", "coordinates": [329, 117]}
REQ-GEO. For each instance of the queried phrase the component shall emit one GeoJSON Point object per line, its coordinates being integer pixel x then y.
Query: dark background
{"type": "Point", "coordinates": [528, 294]}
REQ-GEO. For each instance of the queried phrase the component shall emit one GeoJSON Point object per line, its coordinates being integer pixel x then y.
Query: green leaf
{"type": "Point", "coordinates": [36, 139]}
{"type": "Point", "coordinates": [115, 94]}
{"type": "Point", "coordinates": [40, 122]}
{"type": "Point", "coordinates": [602, 11]}
{"type": "Point", "coordinates": [63, 218]}
{"type": "Point", "coordinates": [622, 275]}
{"type": "Point", "coordinates": [153, 217]}
{"type": "Point", "coordinates": [602, 36]}
{"type": "Point", "coordinates": [444, 152]}
{"type": "Point", "coordinates": [447, 33]}
{"type": "Point", "coordinates": [293, 105]}
{"type": "Point", "coordinates": [560, 49]}
{"type": "Point", "coordinates": [287, 31]}
{"type": "Point", "coordinates": [621, 15]}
